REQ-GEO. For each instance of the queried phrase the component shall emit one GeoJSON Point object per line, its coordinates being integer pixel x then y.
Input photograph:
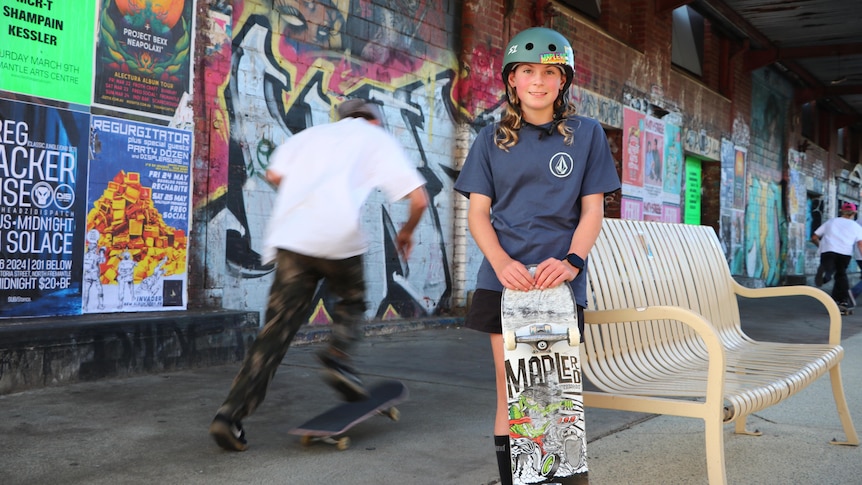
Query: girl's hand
{"type": "Point", "coordinates": [553, 272]}
{"type": "Point", "coordinates": [515, 276]}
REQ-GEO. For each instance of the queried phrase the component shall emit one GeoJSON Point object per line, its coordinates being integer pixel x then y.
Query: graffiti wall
{"type": "Point", "coordinates": [291, 63]}
{"type": "Point", "coordinates": [764, 221]}
{"type": "Point", "coordinates": [257, 73]}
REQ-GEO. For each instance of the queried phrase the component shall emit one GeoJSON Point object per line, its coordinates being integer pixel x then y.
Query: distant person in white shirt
{"type": "Point", "coordinates": [837, 239]}
{"type": "Point", "coordinates": [856, 290]}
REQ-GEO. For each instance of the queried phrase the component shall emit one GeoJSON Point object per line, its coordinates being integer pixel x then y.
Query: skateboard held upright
{"type": "Point", "coordinates": [544, 386]}
{"type": "Point", "coordinates": [330, 426]}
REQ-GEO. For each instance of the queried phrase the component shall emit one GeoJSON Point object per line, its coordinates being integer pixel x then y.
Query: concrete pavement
{"type": "Point", "coordinates": [153, 429]}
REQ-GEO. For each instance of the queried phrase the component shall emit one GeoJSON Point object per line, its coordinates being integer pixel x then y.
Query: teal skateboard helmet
{"type": "Point", "coordinates": [540, 45]}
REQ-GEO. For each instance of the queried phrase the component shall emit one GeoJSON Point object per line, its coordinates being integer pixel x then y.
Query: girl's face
{"type": "Point", "coordinates": [537, 87]}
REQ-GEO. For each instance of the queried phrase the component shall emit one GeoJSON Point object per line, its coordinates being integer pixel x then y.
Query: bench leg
{"type": "Point", "coordinates": [741, 429]}
{"type": "Point", "coordinates": [714, 436]}
{"type": "Point", "coordinates": [843, 410]}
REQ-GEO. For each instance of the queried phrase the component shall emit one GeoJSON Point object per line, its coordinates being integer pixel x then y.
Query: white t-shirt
{"type": "Point", "coordinates": [328, 171]}
{"type": "Point", "coordinates": [839, 235]}
{"type": "Point", "coordinates": [856, 254]}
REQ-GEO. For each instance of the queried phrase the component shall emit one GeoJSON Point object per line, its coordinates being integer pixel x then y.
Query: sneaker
{"type": "Point", "coordinates": [342, 377]}
{"type": "Point", "coordinates": [228, 434]}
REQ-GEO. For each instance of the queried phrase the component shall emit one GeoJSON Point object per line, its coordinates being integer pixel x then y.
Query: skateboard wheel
{"type": "Point", "coordinates": [306, 440]}
{"type": "Point", "coordinates": [574, 336]}
{"type": "Point", "coordinates": [342, 443]}
{"type": "Point", "coordinates": [509, 340]}
{"type": "Point", "coordinates": [394, 414]}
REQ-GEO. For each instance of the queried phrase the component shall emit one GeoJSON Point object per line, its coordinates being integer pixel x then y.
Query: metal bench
{"type": "Point", "coordinates": [663, 335]}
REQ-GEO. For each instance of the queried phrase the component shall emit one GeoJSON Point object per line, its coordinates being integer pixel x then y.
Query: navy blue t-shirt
{"type": "Point", "coordinates": [535, 190]}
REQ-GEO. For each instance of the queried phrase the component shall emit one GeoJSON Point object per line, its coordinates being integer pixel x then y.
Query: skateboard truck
{"type": "Point", "coordinates": [541, 337]}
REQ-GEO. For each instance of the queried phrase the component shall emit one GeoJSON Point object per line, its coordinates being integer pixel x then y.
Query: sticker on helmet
{"type": "Point", "coordinates": [552, 58]}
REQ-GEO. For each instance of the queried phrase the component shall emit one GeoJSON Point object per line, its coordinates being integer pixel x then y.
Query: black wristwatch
{"type": "Point", "coordinates": [575, 260]}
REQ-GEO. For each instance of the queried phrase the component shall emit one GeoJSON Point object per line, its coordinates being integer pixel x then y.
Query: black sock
{"type": "Point", "coordinates": [504, 459]}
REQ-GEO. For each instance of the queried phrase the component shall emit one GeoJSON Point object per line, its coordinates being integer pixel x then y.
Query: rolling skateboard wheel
{"type": "Point", "coordinates": [394, 414]}
{"type": "Point", "coordinates": [342, 443]}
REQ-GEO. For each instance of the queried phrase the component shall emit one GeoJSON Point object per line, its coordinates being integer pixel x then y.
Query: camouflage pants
{"type": "Point", "coordinates": [290, 300]}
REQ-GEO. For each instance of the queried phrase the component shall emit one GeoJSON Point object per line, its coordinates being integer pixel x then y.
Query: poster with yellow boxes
{"type": "Point", "coordinates": [139, 196]}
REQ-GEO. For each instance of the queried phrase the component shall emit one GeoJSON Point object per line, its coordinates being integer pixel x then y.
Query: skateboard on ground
{"type": "Point", "coordinates": [848, 305]}
{"type": "Point", "coordinates": [330, 426]}
{"type": "Point", "coordinates": [544, 386]}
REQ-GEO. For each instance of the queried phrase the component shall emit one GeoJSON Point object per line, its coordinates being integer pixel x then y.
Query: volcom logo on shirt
{"type": "Point", "coordinates": [561, 164]}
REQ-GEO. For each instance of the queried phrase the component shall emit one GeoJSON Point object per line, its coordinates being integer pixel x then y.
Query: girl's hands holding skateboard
{"type": "Point", "coordinates": [515, 276]}
{"type": "Point", "coordinates": [548, 274]}
{"type": "Point", "coordinates": [553, 272]}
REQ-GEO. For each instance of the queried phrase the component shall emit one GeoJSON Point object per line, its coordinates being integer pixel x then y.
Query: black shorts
{"type": "Point", "coordinates": [484, 314]}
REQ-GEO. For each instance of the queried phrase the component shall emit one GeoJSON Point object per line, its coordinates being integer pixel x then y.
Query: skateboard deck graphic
{"type": "Point", "coordinates": [544, 386]}
{"type": "Point", "coordinates": [331, 425]}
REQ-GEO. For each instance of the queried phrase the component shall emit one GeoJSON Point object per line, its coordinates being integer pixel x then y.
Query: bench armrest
{"type": "Point", "coordinates": [799, 290]}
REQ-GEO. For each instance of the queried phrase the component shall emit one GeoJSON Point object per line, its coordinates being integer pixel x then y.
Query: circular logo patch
{"type": "Point", "coordinates": [561, 164]}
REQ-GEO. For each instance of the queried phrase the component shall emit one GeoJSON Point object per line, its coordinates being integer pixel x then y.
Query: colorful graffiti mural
{"type": "Point", "coordinates": [291, 62]}
{"type": "Point", "coordinates": [765, 224]}
{"type": "Point", "coordinates": [763, 237]}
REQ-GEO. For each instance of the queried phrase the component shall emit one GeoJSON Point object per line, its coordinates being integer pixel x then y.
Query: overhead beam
{"type": "Point", "coordinates": [719, 11]}
{"type": "Point", "coordinates": [737, 22]}
{"type": "Point", "coordinates": [758, 40]}
{"type": "Point", "coordinates": [662, 6]}
{"type": "Point", "coordinates": [819, 90]}
{"type": "Point", "coordinates": [806, 95]}
{"type": "Point", "coordinates": [759, 58]}
{"type": "Point", "coordinates": [802, 74]}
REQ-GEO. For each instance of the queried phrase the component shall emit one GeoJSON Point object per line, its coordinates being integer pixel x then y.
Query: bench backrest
{"type": "Point", "coordinates": [639, 264]}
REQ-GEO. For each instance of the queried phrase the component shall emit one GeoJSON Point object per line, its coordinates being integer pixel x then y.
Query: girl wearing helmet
{"type": "Point", "coordinates": [536, 183]}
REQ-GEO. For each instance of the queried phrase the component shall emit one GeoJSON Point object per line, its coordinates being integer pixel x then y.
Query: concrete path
{"type": "Point", "coordinates": [153, 429]}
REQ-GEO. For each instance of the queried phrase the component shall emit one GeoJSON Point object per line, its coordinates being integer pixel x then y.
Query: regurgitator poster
{"type": "Point", "coordinates": [139, 199]}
